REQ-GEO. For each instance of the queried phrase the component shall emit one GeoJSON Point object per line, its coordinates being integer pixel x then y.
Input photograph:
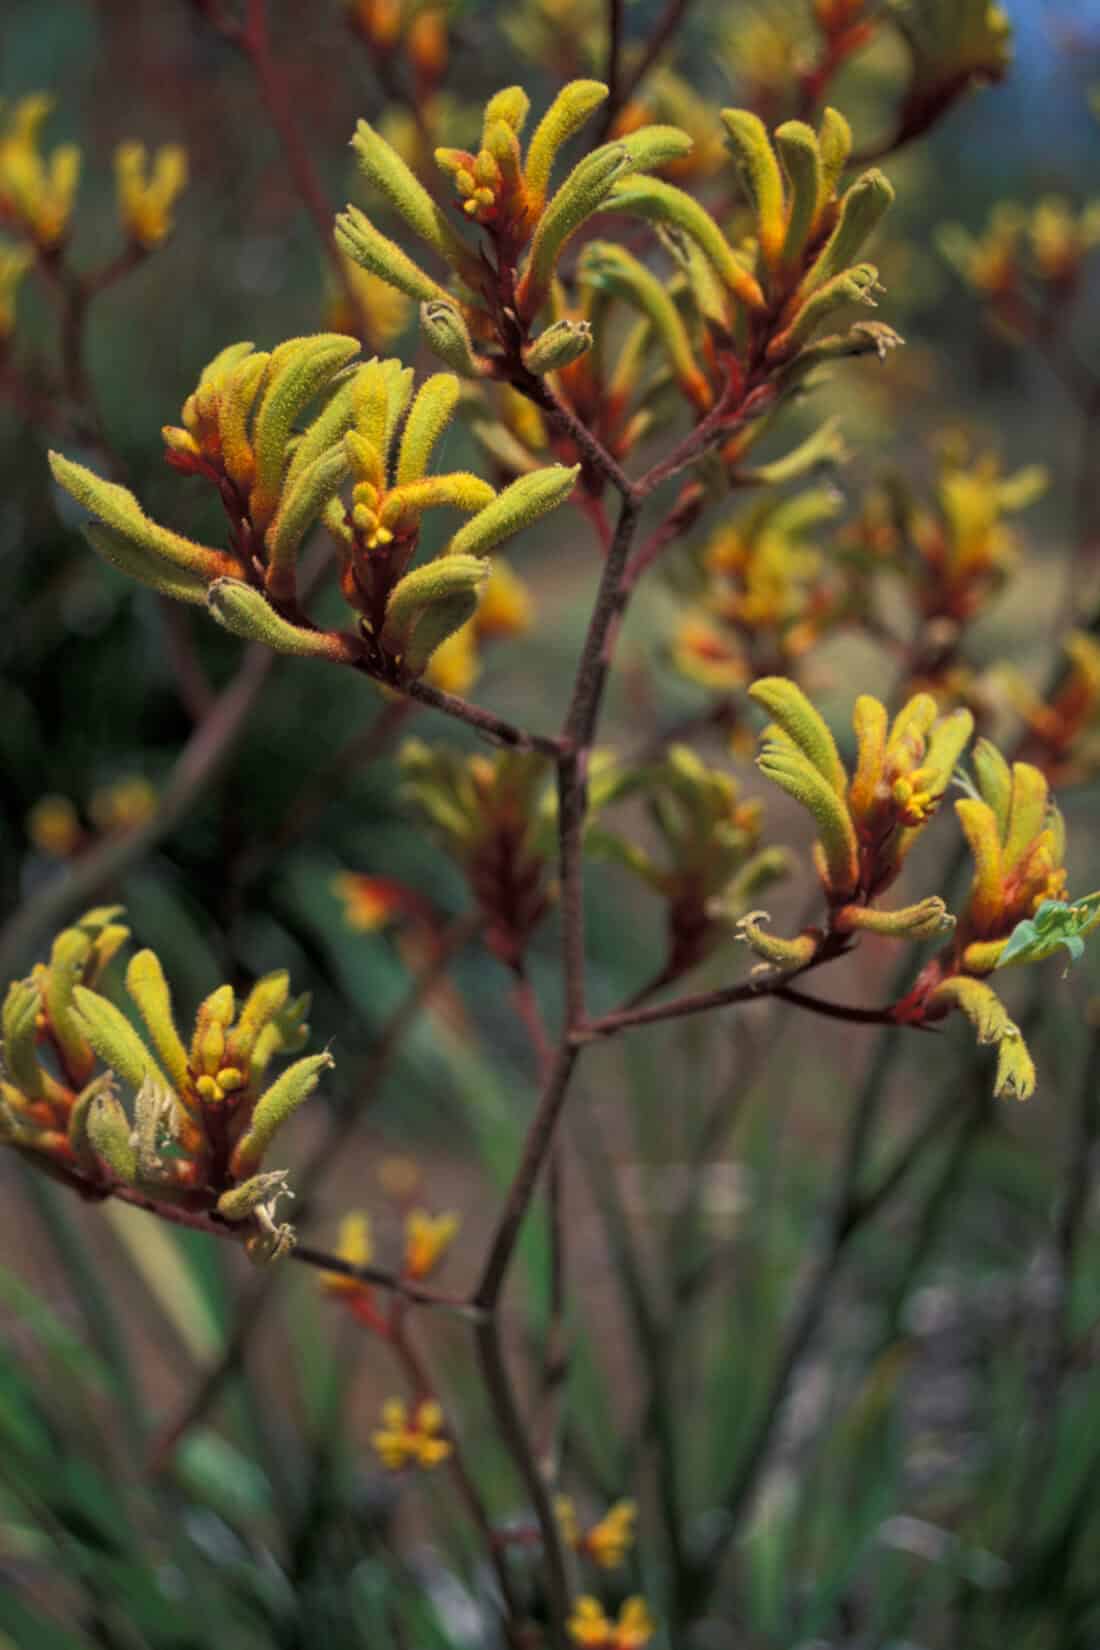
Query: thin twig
{"type": "Point", "coordinates": [664, 33]}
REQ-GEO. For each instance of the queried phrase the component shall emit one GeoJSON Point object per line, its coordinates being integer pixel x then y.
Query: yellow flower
{"type": "Point", "coordinates": [705, 655]}
{"type": "Point", "coordinates": [609, 1541]}
{"type": "Point", "coordinates": [53, 826]}
{"type": "Point", "coordinates": [505, 606]}
{"type": "Point", "coordinates": [147, 191]}
{"type": "Point", "coordinates": [593, 1629]}
{"type": "Point", "coordinates": [379, 311]}
{"type": "Point", "coordinates": [124, 805]}
{"type": "Point", "coordinates": [355, 1244]}
{"type": "Point", "coordinates": [411, 1439]}
{"type": "Point", "coordinates": [36, 192]}
{"type": "Point", "coordinates": [455, 665]}
{"type": "Point", "coordinates": [427, 1239]}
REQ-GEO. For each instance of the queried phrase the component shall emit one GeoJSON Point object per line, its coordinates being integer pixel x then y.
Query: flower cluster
{"type": "Point", "coordinates": [953, 45]}
{"type": "Point", "coordinates": [492, 814]}
{"type": "Point", "coordinates": [276, 482]}
{"type": "Point", "coordinates": [203, 1114]}
{"type": "Point", "coordinates": [763, 591]}
{"type": "Point", "coordinates": [506, 190]}
{"type": "Point", "coordinates": [869, 820]}
{"type": "Point", "coordinates": [1064, 729]}
{"type": "Point", "coordinates": [964, 545]}
{"type": "Point", "coordinates": [711, 864]}
{"type": "Point", "coordinates": [1016, 912]}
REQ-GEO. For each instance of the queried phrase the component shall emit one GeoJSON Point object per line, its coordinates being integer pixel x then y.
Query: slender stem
{"type": "Point", "coordinates": [588, 445]}
{"type": "Point", "coordinates": [419, 1377]}
{"type": "Point", "coordinates": [838, 1011]}
{"type": "Point", "coordinates": [482, 721]}
{"type": "Point", "coordinates": [698, 1002]}
{"type": "Point", "coordinates": [540, 1136]}
{"type": "Point", "coordinates": [253, 39]}
{"type": "Point", "coordinates": [501, 1395]}
{"type": "Point", "coordinates": [335, 1141]}
{"type": "Point", "coordinates": [627, 85]}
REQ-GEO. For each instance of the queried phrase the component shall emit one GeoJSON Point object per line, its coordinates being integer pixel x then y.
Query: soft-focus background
{"type": "Point", "coordinates": [907, 1446]}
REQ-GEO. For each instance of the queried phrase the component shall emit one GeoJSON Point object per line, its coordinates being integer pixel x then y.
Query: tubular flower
{"type": "Point", "coordinates": [592, 1629]}
{"type": "Point", "coordinates": [507, 192]}
{"type": "Point", "coordinates": [711, 866]}
{"type": "Point", "coordinates": [669, 98]}
{"type": "Point", "coordinates": [504, 612]}
{"type": "Point", "coordinates": [1064, 732]}
{"type": "Point", "coordinates": [147, 191]}
{"type": "Point", "coordinates": [371, 307]}
{"type": "Point", "coordinates": [490, 814]}
{"type": "Point", "coordinates": [36, 193]}
{"type": "Point", "coordinates": [427, 1240]}
{"type": "Point", "coordinates": [1021, 252]}
{"type": "Point", "coordinates": [275, 483]}
{"type": "Point", "coordinates": [965, 545]}
{"type": "Point", "coordinates": [869, 821]}
{"type": "Point", "coordinates": [413, 1437]}
{"type": "Point", "coordinates": [763, 592]}
{"type": "Point", "coordinates": [203, 1115]}
{"type": "Point", "coordinates": [953, 45]}
{"type": "Point", "coordinates": [1017, 838]}
{"type": "Point", "coordinates": [1016, 912]}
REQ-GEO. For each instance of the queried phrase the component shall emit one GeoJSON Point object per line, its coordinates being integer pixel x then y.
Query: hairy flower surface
{"type": "Point", "coordinates": [277, 481]}
{"type": "Point", "coordinates": [203, 1114]}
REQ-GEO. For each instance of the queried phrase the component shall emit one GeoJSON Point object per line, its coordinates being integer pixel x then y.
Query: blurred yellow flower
{"type": "Point", "coordinates": [505, 608]}
{"type": "Point", "coordinates": [427, 1239]}
{"type": "Point", "coordinates": [593, 1629]}
{"type": "Point", "coordinates": [454, 666]}
{"type": "Point", "coordinates": [54, 827]}
{"type": "Point", "coordinates": [147, 190]}
{"type": "Point", "coordinates": [124, 805]}
{"type": "Point", "coordinates": [36, 192]}
{"type": "Point", "coordinates": [355, 1244]}
{"type": "Point", "coordinates": [411, 1439]}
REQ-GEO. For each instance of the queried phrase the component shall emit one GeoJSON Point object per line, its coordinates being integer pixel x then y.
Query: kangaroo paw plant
{"type": "Point", "coordinates": [664, 282]}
